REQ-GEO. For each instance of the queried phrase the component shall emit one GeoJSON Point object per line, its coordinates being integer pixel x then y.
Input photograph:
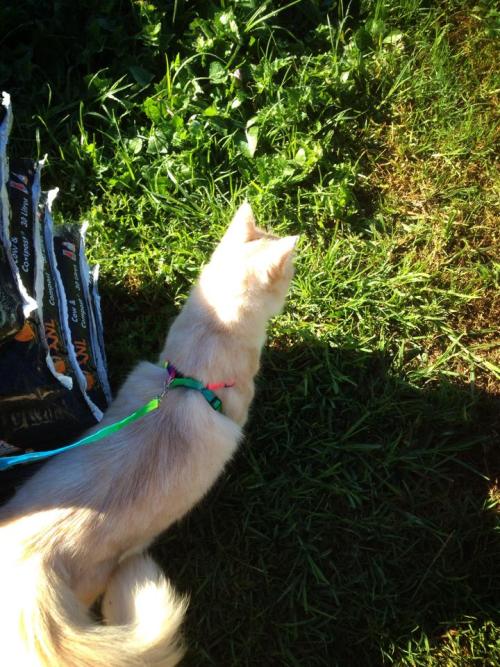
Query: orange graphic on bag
{"type": "Point", "coordinates": [26, 334]}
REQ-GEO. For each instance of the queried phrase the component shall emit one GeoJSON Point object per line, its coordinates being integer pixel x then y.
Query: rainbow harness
{"type": "Point", "coordinates": [173, 380]}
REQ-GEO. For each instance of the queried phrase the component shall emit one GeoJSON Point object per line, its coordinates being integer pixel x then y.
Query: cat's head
{"type": "Point", "coordinates": [250, 270]}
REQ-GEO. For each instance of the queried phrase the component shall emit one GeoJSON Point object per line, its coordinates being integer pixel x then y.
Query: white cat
{"type": "Point", "coordinates": [80, 526]}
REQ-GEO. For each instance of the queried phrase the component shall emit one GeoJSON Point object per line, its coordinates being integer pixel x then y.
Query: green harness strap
{"type": "Point", "coordinates": [190, 383]}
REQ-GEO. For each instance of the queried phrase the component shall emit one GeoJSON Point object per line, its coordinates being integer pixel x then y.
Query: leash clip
{"type": "Point", "coordinates": [168, 380]}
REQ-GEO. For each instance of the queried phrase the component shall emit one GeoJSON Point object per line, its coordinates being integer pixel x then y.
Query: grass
{"type": "Point", "coordinates": [359, 523]}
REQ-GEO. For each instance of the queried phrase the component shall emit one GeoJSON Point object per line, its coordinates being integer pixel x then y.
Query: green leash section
{"type": "Point", "coordinates": [7, 462]}
{"type": "Point", "coordinates": [212, 399]}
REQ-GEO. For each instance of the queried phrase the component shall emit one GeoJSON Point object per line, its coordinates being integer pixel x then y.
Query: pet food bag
{"type": "Point", "coordinates": [39, 406]}
{"type": "Point", "coordinates": [15, 303]}
{"type": "Point", "coordinates": [54, 313]}
{"type": "Point", "coordinates": [69, 246]}
{"type": "Point", "coordinates": [53, 376]}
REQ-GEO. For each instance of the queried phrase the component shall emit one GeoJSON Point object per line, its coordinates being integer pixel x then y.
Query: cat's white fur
{"type": "Point", "coordinates": [80, 526]}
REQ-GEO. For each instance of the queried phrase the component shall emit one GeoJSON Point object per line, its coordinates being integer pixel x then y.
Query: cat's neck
{"type": "Point", "coordinates": [203, 346]}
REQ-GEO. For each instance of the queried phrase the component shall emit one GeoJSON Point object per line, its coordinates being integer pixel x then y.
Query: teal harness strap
{"type": "Point", "coordinates": [172, 381]}
{"type": "Point", "coordinates": [191, 383]}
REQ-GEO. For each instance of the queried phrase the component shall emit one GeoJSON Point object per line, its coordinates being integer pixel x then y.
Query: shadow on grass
{"type": "Point", "coordinates": [354, 514]}
{"type": "Point", "coordinates": [135, 326]}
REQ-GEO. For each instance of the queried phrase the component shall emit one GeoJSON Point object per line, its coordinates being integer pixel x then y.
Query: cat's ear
{"type": "Point", "coordinates": [242, 227]}
{"type": "Point", "coordinates": [278, 256]}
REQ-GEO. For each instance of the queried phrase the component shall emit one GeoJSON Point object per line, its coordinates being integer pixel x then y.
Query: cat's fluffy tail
{"type": "Point", "coordinates": [51, 628]}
